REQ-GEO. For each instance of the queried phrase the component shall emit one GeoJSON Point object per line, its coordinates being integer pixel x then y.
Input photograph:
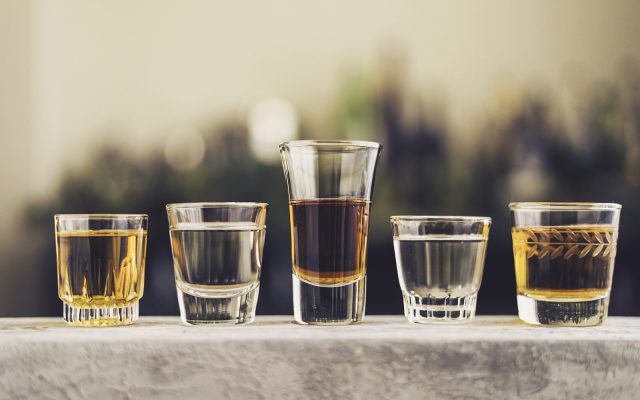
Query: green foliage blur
{"type": "Point", "coordinates": [524, 153]}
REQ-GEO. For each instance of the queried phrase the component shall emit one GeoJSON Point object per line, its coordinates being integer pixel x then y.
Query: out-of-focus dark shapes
{"type": "Point", "coordinates": [523, 152]}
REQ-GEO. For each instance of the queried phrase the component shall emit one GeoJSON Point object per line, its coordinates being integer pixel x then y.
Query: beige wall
{"type": "Point", "coordinates": [16, 107]}
{"type": "Point", "coordinates": [73, 71]}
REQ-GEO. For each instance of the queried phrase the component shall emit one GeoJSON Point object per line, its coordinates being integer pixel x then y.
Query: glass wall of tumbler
{"type": "Point", "coordinates": [217, 258]}
{"type": "Point", "coordinates": [440, 260]}
{"type": "Point", "coordinates": [100, 262]}
{"type": "Point", "coordinates": [564, 255]}
{"type": "Point", "coordinates": [330, 185]}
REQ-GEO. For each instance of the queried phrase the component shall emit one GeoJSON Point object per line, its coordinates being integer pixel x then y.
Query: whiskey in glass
{"type": "Point", "coordinates": [564, 256]}
{"type": "Point", "coordinates": [100, 262]}
{"type": "Point", "coordinates": [330, 185]}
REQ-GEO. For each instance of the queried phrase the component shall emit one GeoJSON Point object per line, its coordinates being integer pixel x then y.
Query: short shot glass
{"type": "Point", "coordinates": [564, 255]}
{"type": "Point", "coordinates": [440, 262]}
{"type": "Point", "coordinates": [217, 258]}
{"type": "Point", "coordinates": [100, 262]}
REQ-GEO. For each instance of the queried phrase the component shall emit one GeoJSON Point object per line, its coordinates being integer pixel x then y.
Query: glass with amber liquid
{"type": "Point", "coordinates": [564, 257]}
{"type": "Point", "coordinates": [330, 184]}
{"type": "Point", "coordinates": [100, 262]}
{"type": "Point", "coordinates": [329, 239]}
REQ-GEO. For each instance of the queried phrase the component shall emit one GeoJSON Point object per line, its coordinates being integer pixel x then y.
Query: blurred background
{"type": "Point", "coordinates": [125, 106]}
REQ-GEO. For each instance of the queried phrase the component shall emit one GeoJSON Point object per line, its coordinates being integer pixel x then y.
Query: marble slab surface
{"type": "Point", "coordinates": [383, 358]}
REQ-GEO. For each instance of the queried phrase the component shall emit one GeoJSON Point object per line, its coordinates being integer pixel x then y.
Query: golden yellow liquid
{"type": "Point", "coordinates": [100, 269]}
{"type": "Point", "coordinates": [564, 263]}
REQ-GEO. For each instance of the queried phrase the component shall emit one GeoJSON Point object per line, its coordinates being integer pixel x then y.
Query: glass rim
{"type": "Point", "coordinates": [357, 144]}
{"type": "Point", "coordinates": [217, 204]}
{"type": "Point", "coordinates": [100, 216]}
{"type": "Point", "coordinates": [564, 206]}
{"type": "Point", "coordinates": [443, 218]}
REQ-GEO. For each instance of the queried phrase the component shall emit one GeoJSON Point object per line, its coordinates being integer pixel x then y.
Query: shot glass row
{"type": "Point", "coordinates": [564, 256]}
{"type": "Point", "coordinates": [563, 252]}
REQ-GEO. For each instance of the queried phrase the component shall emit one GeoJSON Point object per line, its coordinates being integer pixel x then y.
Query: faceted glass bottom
{"type": "Point", "coordinates": [236, 310]}
{"type": "Point", "coordinates": [100, 316]}
{"type": "Point", "coordinates": [447, 310]}
{"type": "Point", "coordinates": [562, 313]}
{"type": "Point", "coordinates": [329, 305]}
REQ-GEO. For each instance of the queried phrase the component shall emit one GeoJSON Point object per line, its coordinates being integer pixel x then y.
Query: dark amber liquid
{"type": "Point", "coordinates": [329, 238]}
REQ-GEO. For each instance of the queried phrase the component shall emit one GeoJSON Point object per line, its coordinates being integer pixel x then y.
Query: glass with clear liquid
{"type": "Point", "coordinates": [217, 255]}
{"type": "Point", "coordinates": [440, 261]}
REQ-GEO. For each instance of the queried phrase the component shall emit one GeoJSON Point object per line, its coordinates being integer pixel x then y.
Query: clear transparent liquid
{"type": "Point", "coordinates": [217, 270]}
{"type": "Point", "coordinates": [440, 265]}
{"type": "Point", "coordinates": [440, 275]}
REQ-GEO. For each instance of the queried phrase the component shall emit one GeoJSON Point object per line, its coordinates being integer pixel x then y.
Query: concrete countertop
{"type": "Point", "coordinates": [274, 358]}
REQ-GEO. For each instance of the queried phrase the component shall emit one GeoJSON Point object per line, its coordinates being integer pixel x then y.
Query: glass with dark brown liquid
{"type": "Point", "coordinates": [329, 239]}
{"type": "Point", "coordinates": [330, 184]}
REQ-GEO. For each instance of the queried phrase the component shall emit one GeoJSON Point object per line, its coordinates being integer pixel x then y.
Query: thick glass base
{"type": "Point", "coordinates": [562, 313]}
{"type": "Point", "coordinates": [217, 309]}
{"type": "Point", "coordinates": [445, 310]}
{"type": "Point", "coordinates": [329, 305]}
{"type": "Point", "coordinates": [102, 316]}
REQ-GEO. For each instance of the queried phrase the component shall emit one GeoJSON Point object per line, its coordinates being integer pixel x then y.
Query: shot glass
{"type": "Point", "coordinates": [217, 258]}
{"type": "Point", "coordinates": [440, 262]}
{"type": "Point", "coordinates": [100, 261]}
{"type": "Point", "coordinates": [564, 255]}
{"type": "Point", "coordinates": [330, 185]}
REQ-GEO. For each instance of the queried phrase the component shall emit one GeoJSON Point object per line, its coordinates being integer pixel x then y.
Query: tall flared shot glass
{"type": "Point", "coordinates": [330, 185]}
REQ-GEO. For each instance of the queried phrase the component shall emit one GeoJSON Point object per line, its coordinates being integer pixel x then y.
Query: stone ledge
{"type": "Point", "coordinates": [385, 357]}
